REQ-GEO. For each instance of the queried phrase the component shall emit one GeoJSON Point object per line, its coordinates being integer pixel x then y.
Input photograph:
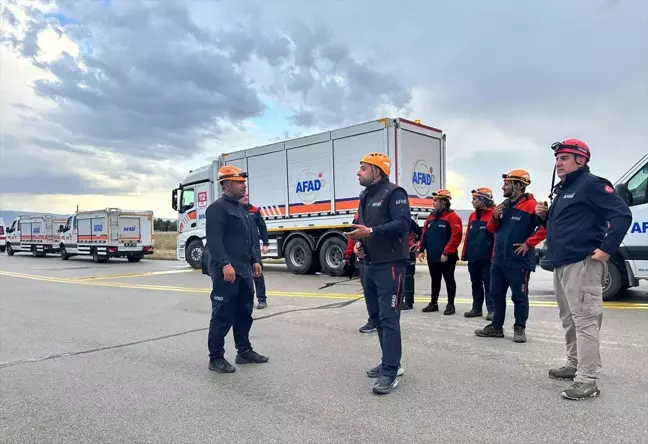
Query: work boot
{"type": "Point", "coordinates": [518, 334]}
{"type": "Point", "coordinates": [375, 372]}
{"type": "Point", "coordinates": [367, 328]}
{"type": "Point", "coordinates": [490, 331]}
{"type": "Point", "coordinates": [406, 306]}
{"type": "Point", "coordinates": [579, 391]}
{"type": "Point", "coordinates": [563, 373]}
{"type": "Point", "coordinates": [450, 309]}
{"type": "Point", "coordinates": [489, 316]}
{"type": "Point", "coordinates": [221, 365]}
{"type": "Point", "coordinates": [473, 314]}
{"type": "Point", "coordinates": [250, 357]}
{"type": "Point", "coordinates": [262, 304]}
{"type": "Point", "coordinates": [384, 385]}
{"type": "Point", "coordinates": [430, 308]}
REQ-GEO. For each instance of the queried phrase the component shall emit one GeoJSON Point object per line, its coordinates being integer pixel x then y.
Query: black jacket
{"type": "Point", "coordinates": [577, 222]}
{"type": "Point", "coordinates": [229, 237]}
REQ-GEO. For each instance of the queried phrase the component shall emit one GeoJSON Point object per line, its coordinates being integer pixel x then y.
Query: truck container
{"type": "Point", "coordinates": [307, 188]}
{"type": "Point", "coordinates": [108, 233]}
{"type": "Point", "coordinates": [33, 233]}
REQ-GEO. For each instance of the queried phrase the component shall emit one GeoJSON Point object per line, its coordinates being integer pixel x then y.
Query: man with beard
{"type": "Point", "coordinates": [232, 263]}
{"type": "Point", "coordinates": [382, 235]}
{"type": "Point", "coordinates": [516, 230]}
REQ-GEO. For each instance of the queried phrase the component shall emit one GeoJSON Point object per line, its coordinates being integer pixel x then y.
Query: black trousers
{"type": "Point", "coordinates": [480, 281]}
{"type": "Point", "coordinates": [232, 305]}
{"type": "Point", "coordinates": [408, 296]}
{"type": "Point", "coordinates": [445, 271]}
{"type": "Point", "coordinates": [260, 286]}
{"type": "Point", "coordinates": [518, 281]}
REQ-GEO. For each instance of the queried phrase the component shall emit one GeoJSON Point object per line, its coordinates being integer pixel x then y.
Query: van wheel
{"type": "Point", "coordinates": [613, 283]}
{"type": "Point", "coordinates": [300, 258]}
{"type": "Point", "coordinates": [331, 256]}
{"type": "Point", "coordinates": [63, 253]}
{"type": "Point", "coordinates": [98, 258]}
{"type": "Point", "coordinates": [10, 251]}
{"type": "Point", "coordinates": [193, 253]}
{"type": "Point", "coordinates": [37, 253]}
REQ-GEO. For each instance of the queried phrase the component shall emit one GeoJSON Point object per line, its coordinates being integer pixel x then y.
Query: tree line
{"type": "Point", "coordinates": [160, 224]}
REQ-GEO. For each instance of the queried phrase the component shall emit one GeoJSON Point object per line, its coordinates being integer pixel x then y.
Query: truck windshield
{"type": "Point", "coordinates": [187, 200]}
{"type": "Point", "coordinates": [637, 186]}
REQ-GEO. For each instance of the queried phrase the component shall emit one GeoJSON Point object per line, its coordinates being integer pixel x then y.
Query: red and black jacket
{"type": "Point", "coordinates": [478, 243]}
{"type": "Point", "coordinates": [442, 234]}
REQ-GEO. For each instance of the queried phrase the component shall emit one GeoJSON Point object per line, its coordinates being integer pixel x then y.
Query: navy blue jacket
{"type": "Point", "coordinates": [577, 222]}
{"type": "Point", "coordinates": [478, 243]}
{"type": "Point", "coordinates": [442, 233]}
{"type": "Point", "coordinates": [259, 227]}
{"type": "Point", "coordinates": [519, 224]}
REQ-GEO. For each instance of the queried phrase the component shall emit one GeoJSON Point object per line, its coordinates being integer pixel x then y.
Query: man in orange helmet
{"type": "Point", "coordinates": [233, 263]}
{"type": "Point", "coordinates": [478, 251]}
{"type": "Point", "coordinates": [384, 219]}
{"type": "Point", "coordinates": [516, 230]}
{"type": "Point", "coordinates": [585, 226]}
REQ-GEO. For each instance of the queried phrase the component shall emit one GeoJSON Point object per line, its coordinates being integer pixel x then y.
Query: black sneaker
{"type": "Point", "coordinates": [384, 385]}
{"type": "Point", "coordinates": [367, 328]}
{"type": "Point", "coordinates": [519, 335]}
{"type": "Point", "coordinates": [221, 365]}
{"type": "Point", "coordinates": [490, 331]}
{"type": "Point", "coordinates": [450, 309]}
{"type": "Point", "coordinates": [473, 314]}
{"type": "Point", "coordinates": [580, 391]}
{"type": "Point", "coordinates": [262, 304]}
{"type": "Point", "coordinates": [563, 373]}
{"type": "Point", "coordinates": [406, 306]}
{"type": "Point", "coordinates": [251, 357]}
{"type": "Point", "coordinates": [375, 372]}
{"type": "Point", "coordinates": [430, 308]}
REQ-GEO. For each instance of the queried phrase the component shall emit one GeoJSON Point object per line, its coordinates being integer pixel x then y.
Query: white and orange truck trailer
{"type": "Point", "coordinates": [307, 188]}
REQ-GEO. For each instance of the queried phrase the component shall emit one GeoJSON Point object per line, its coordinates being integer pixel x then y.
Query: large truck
{"type": "Point", "coordinates": [630, 264]}
{"type": "Point", "coordinates": [107, 233]}
{"type": "Point", "coordinates": [307, 188]}
{"type": "Point", "coordinates": [36, 234]}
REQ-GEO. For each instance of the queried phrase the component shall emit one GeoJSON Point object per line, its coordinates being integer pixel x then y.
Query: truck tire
{"type": "Point", "coordinates": [132, 258]}
{"type": "Point", "coordinates": [193, 253]}
{"type": "Point", "coordinates": [10, 251]}
{"type": "Point", "coordinates": [331, 256]}
{"type": "Point", "coordinates": [63, 252]}
{"type": "Point", "coordinates": [613, 283]}
{"type": "Point", "coordinates": [98, 258]}
{"type": "Point", "coordinates": [300, 258]}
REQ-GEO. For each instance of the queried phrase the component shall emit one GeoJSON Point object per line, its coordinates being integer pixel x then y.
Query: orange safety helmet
{"type": "Point", "coordinates": [483, 192]}
{"type": "Point", "coordinates": [230, 172]}
{"type": "Point", "coordinates": [442, 194]}
{"type": "Point", "coordinates": [518, 176]}
{"type": "Point", "coordinates": [573, 146]}
{"type": "Point", "coordinates": [380, 160]}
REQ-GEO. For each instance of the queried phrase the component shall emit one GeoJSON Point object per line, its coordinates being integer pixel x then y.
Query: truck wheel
{"type": "Point", "coordinates": [97, 258]}
{"type": "Point", "coordinates": [331, 256]}
{"type": "Point", "coordinates": [613, 283]}
{"type": "Point", "coordinates": [134, 258]}
{"type": "Point", "coordinates": [193, 253]}
{"type": "Point", "coordinates": [10, 251]}
{"type": "Point", "coordinates": [300, 257]}
{"type": "Point", "coordinates": [63, 253]}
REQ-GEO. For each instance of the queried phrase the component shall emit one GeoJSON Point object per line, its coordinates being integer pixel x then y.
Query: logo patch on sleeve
{"type": "Point", "coordinates": [608, 189]}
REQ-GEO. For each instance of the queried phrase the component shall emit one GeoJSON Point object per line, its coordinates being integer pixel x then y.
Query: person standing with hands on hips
{"type": "Point", "coordinates": [233, 262]}
{"type": "Point", "coordinates": [442, 233]}
{"type": "Point", "coordinates": [585, 226]}
{"type": "Point", "coordinates": [382, 236]}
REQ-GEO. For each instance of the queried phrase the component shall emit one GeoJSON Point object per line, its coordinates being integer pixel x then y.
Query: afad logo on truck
{"type": "Point", "coordinates": [309, 185]}
{"type": "Point", "coordinates": [422, 178]}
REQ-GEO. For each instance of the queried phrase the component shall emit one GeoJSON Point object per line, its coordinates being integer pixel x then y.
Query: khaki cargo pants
{"type": "Point", "coordinates": [579, 291]}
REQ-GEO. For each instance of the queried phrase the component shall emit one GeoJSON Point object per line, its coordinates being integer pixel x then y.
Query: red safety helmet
{"type": "Point", "coordinates": [573, 146]}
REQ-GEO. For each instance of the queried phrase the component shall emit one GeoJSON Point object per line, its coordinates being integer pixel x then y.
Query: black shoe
{"type": "Point", "coordinates": [262, 304]}
{"type": "Point", "coordinates": [407, 306]}
{"type": "Point", "coordinates": [450, 309]}
{"type": "Point", "coordinates": [375, 372]}
{"type": "Point", "coordinates": [367, 328]}
{"type": "Point", "coordinates": [563, 373]}
{"type": "Point", "coordinates": [384, 385]}
{"type": "Point", "coordinates": [473, 314]}
{"type": "Point", "coordinates": [430, 308]}
{"type": "Point", "coordinates": [579, 391]}
{"type": "Point", "coordinates": [221, 365]}
{"type": "Point", "coordinates": [519, 335]}
{"type": "Point", "coordinates": [251, 357]}
{"type": "Point", "coordinates": [490, 331]}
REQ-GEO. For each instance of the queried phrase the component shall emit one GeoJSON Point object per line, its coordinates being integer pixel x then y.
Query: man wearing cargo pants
{"type": "Point", "coordinates": [585, 226]}
{"type": "Point", "coordinates": [382, 232]}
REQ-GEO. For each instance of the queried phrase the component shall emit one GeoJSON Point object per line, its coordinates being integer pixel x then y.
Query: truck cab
{"type": "Point", "coordinates": [630, 264]}
{"type": "Point", "coordinates": [3, 235]}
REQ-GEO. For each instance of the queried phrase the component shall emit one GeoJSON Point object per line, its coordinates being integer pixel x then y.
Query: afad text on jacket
{"type": "Point", "coordinates": [478, 243]}
{"type": "Point", "coordinates": [442, 233]}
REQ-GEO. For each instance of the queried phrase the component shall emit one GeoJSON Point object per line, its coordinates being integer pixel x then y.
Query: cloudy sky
{"type": "Point", "coordinates": [111, 102]}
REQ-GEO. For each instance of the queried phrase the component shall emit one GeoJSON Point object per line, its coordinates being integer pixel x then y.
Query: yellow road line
{"type": "Point", "coordinates": [132, 275]}
{"type": "Point", "coordinates": [295, 294]}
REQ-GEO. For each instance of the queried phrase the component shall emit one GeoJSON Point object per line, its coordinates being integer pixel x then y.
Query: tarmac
{"type": "Point", "coordinates": [117, 353]}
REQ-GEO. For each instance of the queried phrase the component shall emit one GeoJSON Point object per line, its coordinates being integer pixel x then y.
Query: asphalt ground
{"type": "Point", "coordinates": [117, 353]}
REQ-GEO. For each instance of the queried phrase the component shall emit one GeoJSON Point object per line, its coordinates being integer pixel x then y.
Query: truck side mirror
{"type": "Point", "coordinates": [174, 199]}
{"type": "Point", "coordinates": [622, 189]}
{"type": "Point", "coordinates": [60, 230]}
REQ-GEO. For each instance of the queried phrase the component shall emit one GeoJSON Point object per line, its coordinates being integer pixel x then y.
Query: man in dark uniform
{"type": "Point", "coordinates": [585, 226]}
{"type": "Point", "coordinates": [414, 237]}
{"type": "Point", "coordinates": [382, 232]}
{"type": "Point", "coordinates": [233, 262]}
{"type": "Point", "coordinates": [259, 229]}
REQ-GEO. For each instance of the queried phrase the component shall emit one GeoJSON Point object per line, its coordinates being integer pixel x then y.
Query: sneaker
{"type": "Point", "coordinates": [450, 310]}
{"type": "Point", "coordinates": [519, 335]}
{"type": "Point", "coordinates": [580, 391]}
{"type": "Point", "coordinates": [367, 328]}
{"type": "Point", "coordinates": [489, 316]}
{"type": "Point", "coordinates": [563, 373]}
{"type": "Point", "coordinates": [490, 331]}
{"type": "Point", "coordinates": [406, 306]}
{"type": "Point", "coordinates": [375, 372]}
{"type": "Point", "coordinates": [473, 314]}
{"type": "Point", "coordinates": [262, 304]}
{"type": "Point", "coordinates": [384, 385]}
{"type": "Point", "coordinates": [251, 357]}
{"type": "Point", "coordinates": [430, 308]}
{"type": "Point", "coordinates": [221, 365]}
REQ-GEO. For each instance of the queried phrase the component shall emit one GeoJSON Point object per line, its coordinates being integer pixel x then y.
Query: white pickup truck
{"type": "Point", "coordinates": [630, 264]}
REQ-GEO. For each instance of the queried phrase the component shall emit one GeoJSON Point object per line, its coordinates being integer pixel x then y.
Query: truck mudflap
{"type": "Point", "coordinates": [133, 254]}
